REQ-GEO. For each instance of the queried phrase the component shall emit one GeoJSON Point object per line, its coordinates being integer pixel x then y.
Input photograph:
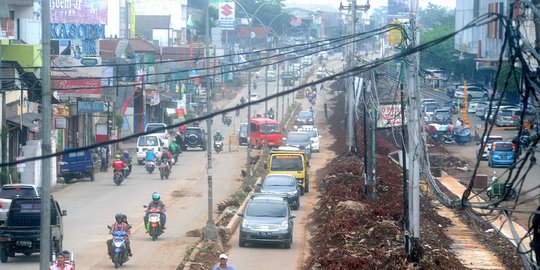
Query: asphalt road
{"type": "Point", "coordinates": [274, 256]}
{"type": "Point", "coordinates": [91, 206]}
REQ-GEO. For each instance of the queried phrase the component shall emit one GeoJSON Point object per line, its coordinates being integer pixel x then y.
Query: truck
{"type": "Point", "coordinates": [9, 192]}
{"type": "Point", "coordinates": [290, 161]}
{"type": "Point", "coordinates": [22, 230]}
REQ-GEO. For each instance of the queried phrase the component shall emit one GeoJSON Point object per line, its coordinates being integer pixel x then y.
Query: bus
{"type": "Point", "coordinates": [263, 130]}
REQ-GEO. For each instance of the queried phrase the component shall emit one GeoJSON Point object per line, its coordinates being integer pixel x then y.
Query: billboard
{"type": "Point", "coordinates": [398, 9]}
{"type": "Point", "coordinates": [389, 115]}
{"type": "Point", "coordinates": [79, 11]}
{"type": "Point", "coordinates": [226, 15]}
{"type": "Point", "coordinates": [71, 87]}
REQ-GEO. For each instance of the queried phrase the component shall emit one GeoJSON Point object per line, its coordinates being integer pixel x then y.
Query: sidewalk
{"type": "Point", "coordinates": [499, 223]}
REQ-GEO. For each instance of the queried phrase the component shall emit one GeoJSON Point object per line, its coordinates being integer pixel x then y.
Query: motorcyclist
{"type": "Point", "coordinates": [119, 164]}
{"type": "Point", "coordinates": [218, 136]}
{"type": "Point", "coordinates": [175, 150]}
{"type": "Point", "coordinates": [242, 100]}
{"type": "Point", "coordinates": [237, 112]}
{"type": "Point", "coordinates": [155, 203]}
{"type": "Point", "coordinates": [150, 155]}
{"type": "Point", "coordinates": [120, 225]}
{"type": "Point", "coordinates": [127, 159]}
{"type": "Point", "coordinates": [166, 157]}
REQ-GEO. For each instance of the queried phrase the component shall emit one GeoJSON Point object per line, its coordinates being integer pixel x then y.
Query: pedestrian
{"type": "Point", "coordinates": [103, 154]}
{"type": "Point", "coordinates": [62, 265]}
{"type": "Point", "coordinates": [223, 265]}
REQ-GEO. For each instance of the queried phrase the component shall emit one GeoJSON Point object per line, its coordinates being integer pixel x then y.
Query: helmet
{"type": "Point", "coordinates": [118, 156]}
{"type": "Point", "coordinates": [218, 131]}
{"type": "Point", "coordinates": [119, 217]}
{"type": "Point", "coordinates": [156, 196]}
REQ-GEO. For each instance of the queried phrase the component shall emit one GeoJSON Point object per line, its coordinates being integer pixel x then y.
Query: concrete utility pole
{"type": "Point", "coordinates": [46, 123]}
{"type": "Point", "coordinates": [350, 97]}
{"type": "Point", "coordinates": [210, 230]}
{"type": "Point", "coordinates": [415, 144]}
{"type": "Point", "coordinates": [3, 139]}
{"type": "Point", "coordinates": [537, 26]}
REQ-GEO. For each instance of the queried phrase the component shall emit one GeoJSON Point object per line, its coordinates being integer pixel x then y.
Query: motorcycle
{"type": "Point", "coordinates": [270, 114]}
{"type": "Point", "coordinates": [164, 170]}
{"type": "Point", "coordinates": [498, 189]}
{"type": "Point", "coordinates": [154, 224]}
{"type": "Point", "coordinates": [118, 177]}
{"type": "Point", "coordinates": [227, 120]}
{"type": "Point", "coordinates": [150, 166]}
{"type": "Point", "coordinates": [119, 255]}
{"type": "Point", "coordinates": [218, 146]}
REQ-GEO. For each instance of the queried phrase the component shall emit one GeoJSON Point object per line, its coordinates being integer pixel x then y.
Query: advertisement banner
{"type": "Point", "coordinates": [83, 88]}
{"type": "Point", "coordinates": [226, 15]}
{"type": "Point", "coordinates": [90, 106]}
{"type": "Point", "coordinates": [79, 11]}
{"type": "Point", "coordinates": [7, 28]}
{"type": "Point", "coordinates": [389, 115]}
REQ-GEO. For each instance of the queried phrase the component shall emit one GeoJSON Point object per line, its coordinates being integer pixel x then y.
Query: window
{"type": "Point", "coordinates": [270, 129]}
{"type": "Point", "coordinates": [264, 209]}
{"type": "Point", "coordinates": [287, 163]}
{"type": "Point", "coordinates": [13, 192]}
{"type": "Point", "coordinates": [76, 154]}
{"type": "Point", "coordinates": [279, 181]}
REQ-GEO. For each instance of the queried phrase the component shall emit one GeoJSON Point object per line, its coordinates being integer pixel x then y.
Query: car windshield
{"type": "Point", "coordinates": [287, 163]}
{"type": "Point", "coordinates": [193, 130]}
{"type": "Point", "coordinates": [154, 127]}
{"type": "Point", "coordinates": [76, 154]}
{"type": "Point", "coordinates": [298, 137]}
{"type": "Point", "coordinates": [270, 129]}
{"type": "Point", "coordinates": [243, 128]}
{"type": "Point", "coordinates": [310, 132]}
{"type": "Point", "coordinates": [492, 140]}
{"type": "Point", "coordinates": [264, 209]}
{"type": "Point", "coordinates": [505, 113]}
{"type": "Point", "coordinates": [431, 108]}
{"type": "Point", "coordinates": [305, 115]}
{"type": "Point", "coordinates": [503, 147]}
{"type": "Point", "coordinates": [274, 180]}
{"type": "Point", "coordinates": [13, 192]}
{"type": "Point", "coordinates": [442, 113]}
{"type": "Point", "coordinates": [148, 141]}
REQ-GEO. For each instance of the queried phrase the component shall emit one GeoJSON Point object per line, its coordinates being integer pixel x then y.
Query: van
{"type": "Point", "coordinates": [144, 143]}
{"type": "Point", "coordinates": [290, 162]}
{"type": "Point", "coordinates": [77, 165]}
{"type": "Point", "coordinates": [265, 131]}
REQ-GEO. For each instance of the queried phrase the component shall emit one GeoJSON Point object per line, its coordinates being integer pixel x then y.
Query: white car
{"type": "Point", "coordinates": [9, 192]}
{"type": "Point", "coordinates": [152, 141]}
{"type": "Point", "coordinates": [488, 143]}
{"type": "Point", "coordinates": [254, 97]}
{"type": "Point", "coordinates": [313, 136]}
{"type": "Point", "coordinates": [425, 101]}
{"type": "Point", "coordinates": [473, 92]}
{"type": "Point", "coordinates": [472, 107]}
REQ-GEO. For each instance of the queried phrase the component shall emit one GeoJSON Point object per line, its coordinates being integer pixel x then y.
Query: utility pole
{"type": "Point", "coordinates": [415, 144]}
{"type": "Point", "coordinates": [266, 74]}
{"type": "Point", "coordinates": [247, 179]}
{"type": "Point", "coordinates": [537, 26]}
{"type": "Point", "coordinates": [3, 139]}
{"type": "Point", "coordinates": [46, 124]}
{"type": "Point", "coordinates": [210, 230]}
{"type": "Point", "coordinates": [277, 91]}
{"type": "Point", "coordinates": [373, 181]}
{"type": "Point", "coordinates": [350, 97]}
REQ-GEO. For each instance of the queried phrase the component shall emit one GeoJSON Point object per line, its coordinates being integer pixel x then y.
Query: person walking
{"type": "Point", "coordinates": [103, 153]}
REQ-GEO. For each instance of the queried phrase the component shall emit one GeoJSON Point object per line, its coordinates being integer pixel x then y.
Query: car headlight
{"type": "Point", "coordinates": [245, 224]}
{"type": "Point", "coordinates": [284, 225]}
{"type": "Point", "coordinates": [292, 193]}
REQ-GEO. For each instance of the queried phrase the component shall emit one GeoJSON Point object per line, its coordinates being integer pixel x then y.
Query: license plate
{"type": "Point", "coordinates": [24, 243]}
{"type": "Point", "coordinates": [264, 228]}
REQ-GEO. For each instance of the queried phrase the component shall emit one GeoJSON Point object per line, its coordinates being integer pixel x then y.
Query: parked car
{"type": "Point", "coordinates": [442, 116]}
{"type": "Point", "coordinates": [243, 134]}
{"type": "Point", "coordinates": [287, 79]}
{"type": "Point", "coordinates": [502, 154]}
{"type": "Point", "coordinates": [77, 165]}
{"type": "Point", "coordinates": [480, 109]}
{"type": "Point", "coordinates": [284, 185]}
{"type": "Point", "coordinates": [501, 108]}
{"type": "Point", "coordinates": [266, 219]}
{"type": "Point", "coordinates": [12, 191]}
{"type": "Point", "coordinates": [254, 97]}
{"type": "Point", "coordinates": [271, 76]}
{"type": "Point", "coordinates": [314, 136]}
{"type": "Point", "coordinates": [508, 117]}
{"type": "Point", "coordinates": [487, 145]}
{"type": "Point", "coordinates": [320, 73]}
{"type": "Point", "coordinates": [473, 92]}
{"type": "Point", "coordinates": [22, 230]}
{"type": "Point", "coordinates": [428, 111]}
{"type": "Point", "coordinates": [451, 89]}
{"type": "Point", "coordinates": [305, 118]}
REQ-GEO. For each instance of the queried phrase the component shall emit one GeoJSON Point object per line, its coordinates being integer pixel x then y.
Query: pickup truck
{"type": "Point", "coordinates": [11, 191]}
{"type": "Point", "coordinates": [21, 232]}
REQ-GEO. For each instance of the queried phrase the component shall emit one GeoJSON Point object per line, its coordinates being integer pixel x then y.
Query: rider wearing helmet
{"type": "Point", "coordinates": [120, 225]}
{"type": "Point", "coordinates": [218, 136]}
{"type": "Point", "coordinates": [119, 164]}
{"type": "Point", "coordinates": [155, 203]}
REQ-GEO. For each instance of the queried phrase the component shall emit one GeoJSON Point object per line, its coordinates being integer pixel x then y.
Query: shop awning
{"type": "Point", "coordinates": [30, 120]}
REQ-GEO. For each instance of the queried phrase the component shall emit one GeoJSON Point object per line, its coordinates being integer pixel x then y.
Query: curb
{"type": "Point", "coordinates": [235, 220]}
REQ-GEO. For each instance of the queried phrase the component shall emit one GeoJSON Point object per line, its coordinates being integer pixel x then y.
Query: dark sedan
{"type": "Point", "coordinates": [284, 185]}
{"type": "Point", "coordinates": [305, 118]}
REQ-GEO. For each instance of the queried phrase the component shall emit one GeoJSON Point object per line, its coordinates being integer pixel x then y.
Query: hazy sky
{"type": "Point", "coordinates": [374, 3]}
